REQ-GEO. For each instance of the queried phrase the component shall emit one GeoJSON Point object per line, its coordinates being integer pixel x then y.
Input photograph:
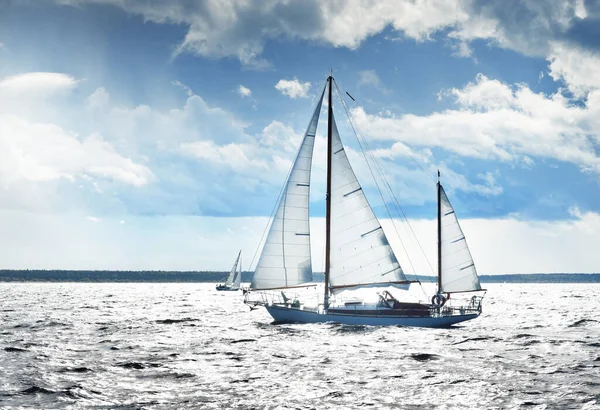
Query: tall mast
{"type": "Point", "coordinates": [439, 232]}
{"type": "Point", "coordinates": [328, 194]}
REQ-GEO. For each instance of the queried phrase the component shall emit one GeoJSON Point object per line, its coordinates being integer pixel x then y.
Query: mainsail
{"type": "Point", "coordinates": [285, 259]}
{"type": "Point", "coordinates": [360, 254]}
{"type": "Point", "coordinates": [458, 273]}
{"type": "Point", "coordinates": [232, 274]}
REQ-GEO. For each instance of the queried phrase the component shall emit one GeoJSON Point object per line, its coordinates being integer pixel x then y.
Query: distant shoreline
{"type": "Point", "coordinates": [7, 275]}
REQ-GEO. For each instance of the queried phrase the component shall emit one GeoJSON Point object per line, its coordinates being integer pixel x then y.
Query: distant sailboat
{"type": "Point", "coordinates": [357, 252]}
{"type": "Point", "coordinates": [235, 276]}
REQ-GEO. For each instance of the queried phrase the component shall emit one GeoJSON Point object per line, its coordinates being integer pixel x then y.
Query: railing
{"type": "Point", "coordinates": [278, 297]}
{"type": "Point", "coordinates": [474, 306]}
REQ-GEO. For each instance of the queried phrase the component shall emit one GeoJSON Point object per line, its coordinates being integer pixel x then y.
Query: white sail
{"type": "Point", "coordinates": [360, 254]}
{"type": "Point", "coordinates": [285, 258]}
{"type": "Point", "coordinates": [233, 272]}
{"type": "Point", "coordinates": [458, 269]}
{"type": "Point", "coordinates": [238, 277]}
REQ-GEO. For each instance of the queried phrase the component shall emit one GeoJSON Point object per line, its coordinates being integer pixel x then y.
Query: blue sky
{"type": "Point", "coordinates": [117, 116]}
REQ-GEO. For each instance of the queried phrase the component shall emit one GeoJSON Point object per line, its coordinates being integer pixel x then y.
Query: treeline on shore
{"type": "Point", "coordinates": [115, 276]}
{"type": "Point", "coordinates": [8, 275]}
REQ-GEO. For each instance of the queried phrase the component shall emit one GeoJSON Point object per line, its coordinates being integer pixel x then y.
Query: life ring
{"type": "Point", "coordinates": [438, 300]}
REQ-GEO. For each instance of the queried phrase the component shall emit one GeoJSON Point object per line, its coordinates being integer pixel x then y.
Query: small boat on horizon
{"type": "Point", "coordinates": [358, 256]}
{"type": "Point", "coordinates": [235, 276]}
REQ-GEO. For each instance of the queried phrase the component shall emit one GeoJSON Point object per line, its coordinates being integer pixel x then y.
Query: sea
{"type": "Point", "coordinates": [187, 346]}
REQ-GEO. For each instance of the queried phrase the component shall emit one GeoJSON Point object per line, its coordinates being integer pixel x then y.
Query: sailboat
{"type": "Point", "coordinates": [358, 256]}
{"type": "Point", "coordinates": [235, 276]}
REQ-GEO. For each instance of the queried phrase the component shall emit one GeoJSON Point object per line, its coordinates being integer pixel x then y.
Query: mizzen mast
{"type": "Point", "coordinates": [439, 232]}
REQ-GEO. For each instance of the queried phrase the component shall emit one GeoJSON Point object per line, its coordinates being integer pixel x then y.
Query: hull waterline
{"type": "Point", "coordinates": [290, 315]}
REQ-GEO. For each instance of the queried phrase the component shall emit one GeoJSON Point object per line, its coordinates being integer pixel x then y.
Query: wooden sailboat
{"type": "Point", "coordinates": [357, 253]}
{"type": "Point", "coordinates": [235, 276]}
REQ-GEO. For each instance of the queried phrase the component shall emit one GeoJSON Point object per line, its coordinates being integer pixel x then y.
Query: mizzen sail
{"type": "Point", "coordinates": [458, 273]}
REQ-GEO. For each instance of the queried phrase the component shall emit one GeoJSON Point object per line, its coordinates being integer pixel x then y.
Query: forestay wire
{"type": "Point", "coordinates": [366, 151]}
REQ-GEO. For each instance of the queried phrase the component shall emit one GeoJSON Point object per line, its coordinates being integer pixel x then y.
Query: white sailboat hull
{"type": "Point", "coordinates": [284, 314]}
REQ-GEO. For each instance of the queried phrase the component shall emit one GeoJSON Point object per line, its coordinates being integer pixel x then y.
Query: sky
{"type": "Point", "coordinates": [144, 134]}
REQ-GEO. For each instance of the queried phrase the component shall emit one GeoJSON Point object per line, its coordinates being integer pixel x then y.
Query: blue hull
{"type": "Point", "coordinates": [291, 315]}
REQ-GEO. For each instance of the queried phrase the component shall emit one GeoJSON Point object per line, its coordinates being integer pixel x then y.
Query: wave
{"type": "Point", "coordinates": [171, 321]}
{"type": "Point", "coordinates": [424, 357]}
{"type": "Point", "coordinates": [473, 339]}
{"type": "Point", "coordinates": [242, 341]}
{"type": "Point", "coordinates": [583, 322]}
{"type": "Point", "coordinates": [14, 349]}
{"type": "Point", "coordinates": [36, 390]}
{"type": "Point", "coordinates": [138, 365]}
{"type": "Point", "coordinates": [75, 370]}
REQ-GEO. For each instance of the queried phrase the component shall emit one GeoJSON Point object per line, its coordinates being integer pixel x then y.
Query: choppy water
{"type": "Point", "coordinates": [188, 346]}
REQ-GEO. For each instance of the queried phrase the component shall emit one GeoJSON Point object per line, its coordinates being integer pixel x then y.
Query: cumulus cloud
{"type": "Point", "coordinates": [244, 91]}
{"type": "Point", "coordinates": [577, 67]}
{"type": "Point", "coordinates": [45, 152]}
{"type": "Point", "coordinates": [34, 150]}
{"type": "Point", "coordinates": [143, 127]}
{"type": "Point", "coordinates": [45, 164]}
{"type": "Point", "coordinates": [241, 29]}
{"type": "Point", "coordinates": [293, 88]}
{"type": "Point", "coordinates": [266, 158]}
{"type": "Point", "coordinates": [496, 121]}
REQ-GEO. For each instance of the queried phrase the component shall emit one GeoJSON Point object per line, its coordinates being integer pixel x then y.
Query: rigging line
{"type": "Point", "coordinates": [373, 175]}
{"type": "Point", "coordinates": [283, 188]}
{"type": "Point", "coordinates": [391, 192]}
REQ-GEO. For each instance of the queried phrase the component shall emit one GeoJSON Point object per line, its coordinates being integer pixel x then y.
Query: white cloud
{"type": "Point", "coordinates": [496, 121]}
{"type": "Point", "coordinates": [240, 28]}
{"type": "Point", "coordinates": [144, 127]}
{"type": "Point", "coordinates": [36, 83]}
{"type": "Point", "coordinates": [230, 155]}
{"type": "Point", "coordinates": [92, 218]}
{"type": "Point", "coordinates": [293, 88]}
{"type": "Point", "coordinates": [578, 68]}
{"type": "Point", "coordinates": [45, 152]}
{"type": "Point", "coordinates": [580, 11]}
{"type": "Point", "coordinates": [244, 91]}
{"type": "Point", "coordinates": [266, 158]}
{"type": "Point", "coordinates": [98, 100]}
{"type": "Point", "coordinates": [45, 165]}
